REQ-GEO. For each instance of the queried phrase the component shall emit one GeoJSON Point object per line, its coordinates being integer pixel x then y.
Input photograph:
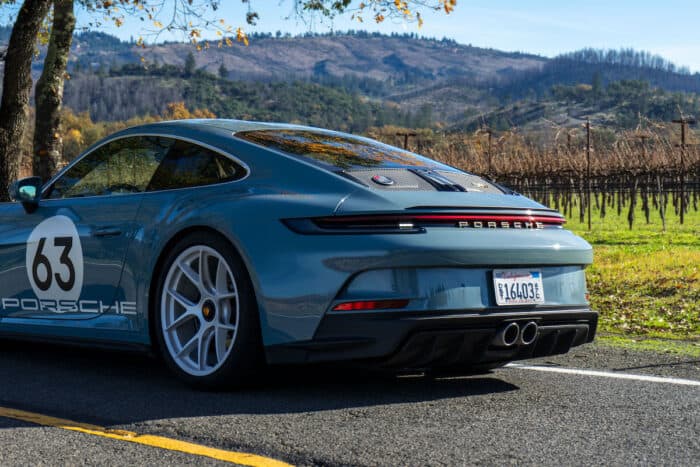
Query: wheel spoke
{"type": "Point", "coordinates": [221, 279]}
{"type": "Point", "coordinates": [190, 273]}
{"type": "Point", "coordinates": [204, 344]}
{"type": "Point", "coordinates": [180, 320]}
{"type": "Point", "coordinates": [189, 346]}
{"type": "Point", "coordinates": [184, 301]}
{"type": "Point", "coordinates": [204, 274]}
{"type": "Point", "coordinates": [220, 342]}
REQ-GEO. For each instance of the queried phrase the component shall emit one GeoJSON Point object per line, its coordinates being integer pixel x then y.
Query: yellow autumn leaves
{"type": "Point", "coordinates": [79, 131]}
{"type": "Point", "coordinates": [383, 9]}
{"type": "Point", "coordinates": [448, 5]}
{"type": "Point", "coordinates": [178, 111]}
{"type": "Point", "coordinates": [145, 10]}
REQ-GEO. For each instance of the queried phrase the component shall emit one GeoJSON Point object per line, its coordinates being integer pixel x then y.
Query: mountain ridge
{"type": "Point", "coordinates": [422, 77]}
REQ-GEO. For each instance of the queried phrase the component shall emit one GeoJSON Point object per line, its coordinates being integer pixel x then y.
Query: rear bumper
{"type": "Point", "coordinates": [402, 341]}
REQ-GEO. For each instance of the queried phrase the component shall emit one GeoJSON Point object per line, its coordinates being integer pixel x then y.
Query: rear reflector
{"type": "Point", "coordinates": [365, 305]}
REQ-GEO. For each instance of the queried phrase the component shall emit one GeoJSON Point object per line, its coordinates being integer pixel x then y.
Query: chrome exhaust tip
{"type": "Point", "coordinates": [507, 336]}
{"type": "Point", "coordinates": [528, 333]}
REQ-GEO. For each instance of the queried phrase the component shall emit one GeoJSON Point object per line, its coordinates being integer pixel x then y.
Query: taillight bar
{"type": "Point", "coordinates": [416, 223]}
{"type": "Point", "coordinates": [442, 218]}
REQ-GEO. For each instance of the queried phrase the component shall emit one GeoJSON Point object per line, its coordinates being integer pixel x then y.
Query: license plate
{"type": "Point", "coordinates": [518, 287]}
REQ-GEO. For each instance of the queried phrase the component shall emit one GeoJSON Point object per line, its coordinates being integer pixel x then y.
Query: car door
{"type": "Point", "coordinates": [66, 258]}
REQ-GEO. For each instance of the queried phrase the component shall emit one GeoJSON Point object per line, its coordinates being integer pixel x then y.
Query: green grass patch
{"type": "Point", "coordinates": [613, 230]}
{"type": "Point", "coordinates": [655, 293]}
{"type": "Point", "coordinates": [679, 347]}
{"type": "Point", "coordinates": [645, 282]}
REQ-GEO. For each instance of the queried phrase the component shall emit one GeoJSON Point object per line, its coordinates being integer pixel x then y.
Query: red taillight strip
{"type": "Point", "coordinates": [366, 305]}
{"type": "Point", "coordinates": [547, 220]}
{"type": "Point", "coordinates": [418, 223]}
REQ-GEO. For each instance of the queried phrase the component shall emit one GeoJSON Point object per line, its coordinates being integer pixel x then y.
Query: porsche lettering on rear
{"type": "Point", "coordinates": [500, 225]}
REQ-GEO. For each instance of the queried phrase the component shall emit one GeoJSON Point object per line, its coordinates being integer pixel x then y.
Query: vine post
{"type": "Point", "coordinates": [406, 135]}
{"type": "Point", "coordinates": [588, 171]}
{"type": "Point", "coordinates": [683, 122]}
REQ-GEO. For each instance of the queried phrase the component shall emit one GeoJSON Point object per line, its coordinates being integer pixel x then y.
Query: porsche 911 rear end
{"type": "Point", "coordinates": [419, 266]}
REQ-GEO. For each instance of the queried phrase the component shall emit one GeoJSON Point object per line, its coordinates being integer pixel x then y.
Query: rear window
{"type": "Point", "coordinates": [338, 150]}
{"type": "Point", "coordinates": [187, 165]}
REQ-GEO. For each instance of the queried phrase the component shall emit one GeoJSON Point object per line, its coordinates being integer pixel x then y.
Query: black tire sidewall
{"type": "Point", "coordinates": [246, 356]}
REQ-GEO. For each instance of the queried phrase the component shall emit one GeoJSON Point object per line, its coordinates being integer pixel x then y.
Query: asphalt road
{"type": "Point", "coordinates": [318, 417]}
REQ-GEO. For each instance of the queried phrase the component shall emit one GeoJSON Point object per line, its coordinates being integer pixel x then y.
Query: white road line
{"type": "Point", "coordinates": [605, 374]}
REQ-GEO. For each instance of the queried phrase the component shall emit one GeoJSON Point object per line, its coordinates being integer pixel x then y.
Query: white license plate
{"type": "Point", "coordinates": [518, 287]}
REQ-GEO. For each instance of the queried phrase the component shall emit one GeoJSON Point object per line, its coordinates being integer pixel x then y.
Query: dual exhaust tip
{"type": "Point", "coordinates": [512, 334]}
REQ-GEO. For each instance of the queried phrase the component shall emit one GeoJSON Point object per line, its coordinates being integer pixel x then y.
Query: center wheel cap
{"type": "Point", "coordinates": [208, 310]}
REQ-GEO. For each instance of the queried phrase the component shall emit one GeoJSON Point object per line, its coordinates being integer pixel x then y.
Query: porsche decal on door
{"type": "Point", "coordinates": [55, 269]}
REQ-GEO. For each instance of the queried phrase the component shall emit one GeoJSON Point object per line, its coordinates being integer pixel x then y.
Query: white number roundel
{"type": "Point", "coordinates": [55, 260]}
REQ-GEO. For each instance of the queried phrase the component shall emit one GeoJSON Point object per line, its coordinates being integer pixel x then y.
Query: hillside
{"type": "Point", "coordinates": [131, 91]}
{"type": "Point", "coordinates": [355, 79]}
{"type": "Point", "coordinates": [398, 59]}
{"type": "Point", "coordinates": [397, 68]}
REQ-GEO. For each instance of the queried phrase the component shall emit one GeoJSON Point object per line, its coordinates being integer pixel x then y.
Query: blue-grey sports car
{"type": "Point", "coordinates": [226, 245]}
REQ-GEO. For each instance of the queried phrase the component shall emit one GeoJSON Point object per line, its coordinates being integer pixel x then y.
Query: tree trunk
{"type": "Point", "coordinates": [17, 86]}
{"type": "Point", "coordinates": [48, 143]}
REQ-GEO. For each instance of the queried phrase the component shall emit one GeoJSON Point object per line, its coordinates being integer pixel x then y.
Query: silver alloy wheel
{"type": "Point", "coordinates": [199, 310]}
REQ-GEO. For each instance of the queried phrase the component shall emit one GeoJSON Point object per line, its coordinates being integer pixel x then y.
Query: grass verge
{"type": "Point", "coordinates": [670, 346]}
{"type": "Point", "coordinates": [645, 282]}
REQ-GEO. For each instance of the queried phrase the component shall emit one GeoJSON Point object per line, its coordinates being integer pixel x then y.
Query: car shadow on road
{"type": "Point", "coordinates": [110, 388]}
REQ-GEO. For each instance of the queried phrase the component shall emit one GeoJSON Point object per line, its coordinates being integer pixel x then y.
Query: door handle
{"type": "Point", "coordinates": [107, 232]}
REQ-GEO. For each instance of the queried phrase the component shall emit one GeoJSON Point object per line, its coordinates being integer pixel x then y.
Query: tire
{"type": "Point", "coordinates": [206, 321]}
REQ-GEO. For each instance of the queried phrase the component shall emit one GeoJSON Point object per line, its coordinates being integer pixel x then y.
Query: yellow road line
{"type": "Point", "coordinates": [240, 458]}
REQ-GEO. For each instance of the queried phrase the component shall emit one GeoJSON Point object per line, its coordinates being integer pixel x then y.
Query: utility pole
{"type": "Point", "coordinates": [406, 135]}
{"type": "Point", "coordinates": [683, 122]}
{"type": "Point", "coordinates": [489, 132]}
{"type": "Point", "coordinates": [588, 171]}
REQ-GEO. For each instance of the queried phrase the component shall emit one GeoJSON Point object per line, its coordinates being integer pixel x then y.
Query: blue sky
{"type": "Point", "coordinates": [547, 27]}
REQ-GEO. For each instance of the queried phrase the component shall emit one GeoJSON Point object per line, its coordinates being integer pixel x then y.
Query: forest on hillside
{"type": "Point", "coordinates": [603, 66]}
{"type": "Point", "coordinates": [350, 103]}
{"type": "Point", "coordinates": [424, 83]}
{"type": "Point", "coordinates": [132, 90]}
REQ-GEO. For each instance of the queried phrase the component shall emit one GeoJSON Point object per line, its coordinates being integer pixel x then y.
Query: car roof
{"type": "Point", "coordinates": [234, 126]}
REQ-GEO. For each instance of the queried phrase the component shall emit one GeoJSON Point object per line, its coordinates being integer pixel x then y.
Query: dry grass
{"type": "Point", "coordinates": [624, 173]}
{"type": "Point", "coordinates": [513, 154]}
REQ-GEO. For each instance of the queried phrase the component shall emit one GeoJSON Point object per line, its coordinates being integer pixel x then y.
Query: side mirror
{"type": "Point", "coordinates": [28, 192]}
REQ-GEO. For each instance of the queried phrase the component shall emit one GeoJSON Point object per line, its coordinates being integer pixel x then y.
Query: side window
{"type": "Point", "coordinates": [188, 165]}
{"type": "Point", "coordinates": [123, 166]}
